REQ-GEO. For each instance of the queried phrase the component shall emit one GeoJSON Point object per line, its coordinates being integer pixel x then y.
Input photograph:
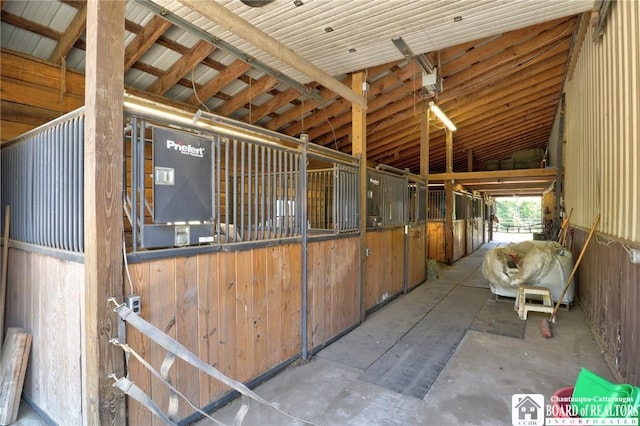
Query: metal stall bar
{"type": "Point", "coordinates": [215, 187]}
{"type": "Point", "coordinates": [226, 186]}
{"type": "Point", "coordinates": [405, 202]}
{"type": "Point", "coordinates": [43, 190]}
{"type": "Point", "coordinates": [240, 206]}
{"type": "Point", "coordinates": [263, 219]}
{"type": "Point", "coordinates": [134, 183]}
{"type": "Point", "coordinates": [302, 214]}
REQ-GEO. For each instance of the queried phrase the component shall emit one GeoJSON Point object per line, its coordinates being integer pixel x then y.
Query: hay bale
{"type": "Point", "coordinates": [527, 164]}
{"type": "Point", "coordinates": [528, 155]}
{"type": "Point", "coordinates": [433, 269]}
{"type": "Point", "coordinates": [491, 165]}
{"type": "Point", "coordinates": [507, 164]}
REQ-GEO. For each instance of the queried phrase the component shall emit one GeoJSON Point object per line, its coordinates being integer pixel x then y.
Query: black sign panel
{"type": "Point", "coordinates": [182, 170]}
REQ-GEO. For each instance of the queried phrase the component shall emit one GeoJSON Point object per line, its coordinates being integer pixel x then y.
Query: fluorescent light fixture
{"type": "Point", "coordinates": [442, 116]}
{"type": "Point", "coordinates": [421, 59]}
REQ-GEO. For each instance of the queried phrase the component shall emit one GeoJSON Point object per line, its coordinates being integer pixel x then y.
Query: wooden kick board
{"type": "Point", "coordinates": [15, 354]}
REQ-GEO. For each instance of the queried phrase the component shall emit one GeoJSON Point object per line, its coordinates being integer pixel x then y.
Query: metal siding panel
{"type": "Point", "coordinates": [603, 128]}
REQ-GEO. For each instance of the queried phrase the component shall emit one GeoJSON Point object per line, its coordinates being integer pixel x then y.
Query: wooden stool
{"type": "Point", "coordinates": [528, 290]}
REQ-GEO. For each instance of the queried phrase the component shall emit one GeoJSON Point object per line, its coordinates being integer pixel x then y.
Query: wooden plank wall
{"type": "Point", "coordinates": [33, 93]}
{"type": "Point", "coordinates": [417, 263]}
{"type": "Point", "coordinates": [333, 274]}
{"type": "Point", "coordinates": [238, 311]}
{"type": "Point", "coordinates": [459, 239]}
{"type": "Point", "coordinates": [475, 231]}
{"type": "Point", "coordinates": [609, 293]}
{"type": "Point", "coordinates": [436, 241]}
{"type": "Point", "coordinates": [384, 266]}
{"type": "Point", "coordinates": [45, 296]}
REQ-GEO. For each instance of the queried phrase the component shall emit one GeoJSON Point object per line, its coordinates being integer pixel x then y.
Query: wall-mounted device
{"type": "Point", "coordinates": [182, 190]}
{"type": "Point", "coordinates": [133, 302]}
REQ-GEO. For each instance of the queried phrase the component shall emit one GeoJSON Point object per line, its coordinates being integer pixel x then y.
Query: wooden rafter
{"type": "Point", "coordinates": [70, 36]}
{"type": "Point", "coordinates": [253, 90]}
{"type": "Point", "coordinates": [182, 67]}
{"type": "Point", "coordinates": [144, 40]}
{"type": "Point", "coordinates": [216, 84]}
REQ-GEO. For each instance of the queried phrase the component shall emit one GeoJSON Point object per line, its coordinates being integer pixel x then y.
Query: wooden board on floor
{"type": "Point", "coordinates": [15, 354]}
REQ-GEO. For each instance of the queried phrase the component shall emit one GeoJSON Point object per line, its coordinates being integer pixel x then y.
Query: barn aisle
{"type": "Point", "coordinates": [447, 353]}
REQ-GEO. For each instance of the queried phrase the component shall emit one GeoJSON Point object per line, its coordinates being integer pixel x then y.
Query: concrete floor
{"type": "Point", "coordinates": [475, 387]}
{"type": "Point", "coordinates": [470, 381]}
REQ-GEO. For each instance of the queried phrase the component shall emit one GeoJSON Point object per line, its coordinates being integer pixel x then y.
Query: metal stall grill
{"type": "Point", "coordinates": [436, 205]}
{"type": "Point", "coordinates": [386, 199]}
{"type": "Point", "coordinates": [238, 188]}
{"type": "Point", "coordinates": [417, 202]}
{"type": "Point", "coordinates": [247, 191]}
{"type": "Point", "coordinates": [332, 199]}
{"type": "Point", "coordinates": [42, 182]}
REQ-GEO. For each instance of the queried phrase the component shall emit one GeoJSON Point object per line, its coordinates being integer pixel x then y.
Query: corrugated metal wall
{"type": "Point", "coordinates": [602, 176]}
{"type": "Point", "coordinates": [602, 149]}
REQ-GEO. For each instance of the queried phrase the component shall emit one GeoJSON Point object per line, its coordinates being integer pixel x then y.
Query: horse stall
{"type": "Point", "coordinates": [239, 233]}
{"type": "Point", "coordinates": [435, 224]}
{"type": "Point", "coordinates": [467, 230]}
{"type": "Point", "coordinates": [42, 183]}
{"type": "Point", "coordinates": [395, 240]}
{"type": "Point", "coordinates": [241, 244]}
{"type": "Point", "coordinates": [475, 223]}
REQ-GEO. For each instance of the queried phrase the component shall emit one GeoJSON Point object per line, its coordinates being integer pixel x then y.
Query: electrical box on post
{"type": "Point", "coordinates": [133, 303]}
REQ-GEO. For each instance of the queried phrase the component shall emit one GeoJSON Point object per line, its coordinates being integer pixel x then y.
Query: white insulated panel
{"type": "Point", "coordinates": [369, 25]}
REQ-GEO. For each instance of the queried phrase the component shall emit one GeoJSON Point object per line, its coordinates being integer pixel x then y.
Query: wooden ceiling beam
{"type": "Point", "coordinates": [30, 26]}
{"type": "Point", "coordinates": [508, 75]}
{"type": "Point", "coordinates": [181, 67]}
{"type": "Point", "coordinates": [484, 120]}
{"type": "Point", "coordinates": [516, 55]}
{"type": "Point", "coordinates": [217, 83]}
{"type": "Point", "coordinates": [510, 40]}
{"type": "Point", "coordinates": [377, 108]}
{"type": "Point", "coordinates": [383, 90]}
{"type": "Point", "coordinates": [144, 39]}
{"type": "Point", "coordinates": [225, 18]}
{"type": "Point", "coordinates": [70, 36]}
{"type": "Point", "coordinates": [275, 103]}
{"type": "Point", "coordinates": [384, 117]}
{"type": "Point", "coordinates": [309, 105]}
{"type": "Point", "coordinates": [514, 84]}
{"type": "Point", "coordinates": [255, 89]}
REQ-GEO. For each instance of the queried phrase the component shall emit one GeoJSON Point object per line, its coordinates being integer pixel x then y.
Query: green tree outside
{"type": "Point", "coordinates": [518, 211]}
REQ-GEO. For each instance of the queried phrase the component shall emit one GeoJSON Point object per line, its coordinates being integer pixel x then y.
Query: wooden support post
{"type": "Point", "coordinates": [448, 196]}
{"type": "Point", "coordinates": [469, 160]}
{"type": "Point", "coordinates": [424, 166]}
{"type": "Point", "coordinates": [103, 224]}
{"type": "Point", "coordinates": [359, 149]}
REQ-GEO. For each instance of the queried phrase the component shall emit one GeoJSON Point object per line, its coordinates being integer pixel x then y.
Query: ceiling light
{"type": "Point", "coordinates": [442, 116]}
{"type": "Point", "coordinates": [256, 3]}
{"type": "Point", "coordinates": [457, 18]}
{"type": "Point", "coordinates": [297, 3]}
{"type": "Point", "coordinates": [328, 29]}
{"type": "Point", "coordinates": [352, 50]}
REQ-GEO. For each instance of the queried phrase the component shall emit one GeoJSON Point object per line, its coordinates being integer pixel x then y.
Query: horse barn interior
{"type": "Point", "coordinates": [252, 182]}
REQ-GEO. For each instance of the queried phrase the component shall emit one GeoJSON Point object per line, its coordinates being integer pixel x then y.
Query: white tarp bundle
{"type": "Point", "coordinates": [543, 263]}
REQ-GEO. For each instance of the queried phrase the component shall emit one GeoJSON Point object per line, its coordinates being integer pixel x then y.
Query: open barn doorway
{"type": "Point", "coordinates": [517, 218]}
